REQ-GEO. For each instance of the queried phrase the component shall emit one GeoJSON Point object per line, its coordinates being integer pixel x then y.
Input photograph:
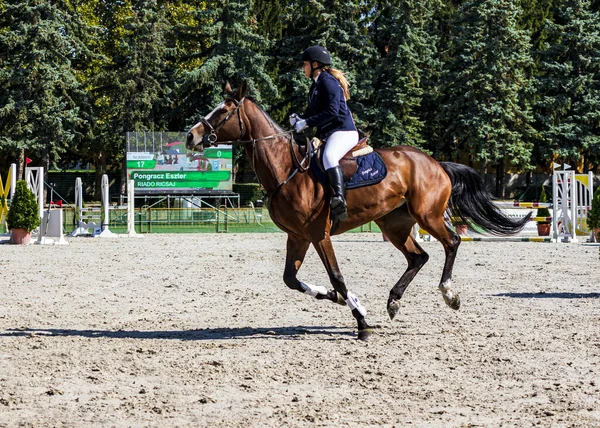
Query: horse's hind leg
{"type": "Point", "coordinates": [324, 248]}
{"type": "Point", "coordinates": [296, 249]}
{"type": "Point", "coordinates": [397, 227]}
{"type": "Point", "coordinates": [436, 226]}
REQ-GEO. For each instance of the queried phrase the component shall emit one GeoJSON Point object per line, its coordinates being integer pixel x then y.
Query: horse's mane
{"type": "Point", "coordinates": [267, 116]}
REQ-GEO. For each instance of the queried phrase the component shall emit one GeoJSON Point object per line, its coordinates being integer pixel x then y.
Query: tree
{"type": "Point", "coordinates": [40, 95]}
{"type": "Point", "coordinates": [132, 90]}
{"type": "Point", "coordinates": [404, 40]}
{"type": "Point", "coordinates": [568, 111]}
{"type": "Point", "coordinates": [24, 210]}
{"type": "Point", "coordinates": [223, 45]}
{"type": "Point", "coordinates": [339, 26]}
{"type": "Point", "coordinates": [484, 85]}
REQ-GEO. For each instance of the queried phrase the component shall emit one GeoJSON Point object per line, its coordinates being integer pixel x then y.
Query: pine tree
{"type": "Point", "coordinates": [40, 95]}
{"type": "Point", "coordinates": [485, 83]}
{"type": "Point", "coordinates": [342, 28]}
{"type": "Point", "coordinates": [130, 84]}
{"type": "Point", "coordinates": [533, 20]}
{"type": "Point", "coordinates": [223, 45]}
{"type": "Point", "coordinates": [569, 109]}
{"type": "Point", "coordinates": [403, 37]}
{"type": "Point", "coordinates": [267, 14]}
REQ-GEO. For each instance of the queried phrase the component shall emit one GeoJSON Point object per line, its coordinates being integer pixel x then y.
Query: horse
{"type": "Point", "coordinates": [416, 189]}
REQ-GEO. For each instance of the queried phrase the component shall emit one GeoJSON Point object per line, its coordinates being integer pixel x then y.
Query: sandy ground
{"type": "Point", "coordinates": [199, 330]}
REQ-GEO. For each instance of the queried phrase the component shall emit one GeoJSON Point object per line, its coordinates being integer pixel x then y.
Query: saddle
{"type": "Point", "coordinates": [361, 166]}
{"type": "Point", "coordinates": [348, 162]}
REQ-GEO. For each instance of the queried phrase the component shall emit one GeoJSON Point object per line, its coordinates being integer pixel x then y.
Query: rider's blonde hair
{"type": "Point", "coordinates": [341, 77]}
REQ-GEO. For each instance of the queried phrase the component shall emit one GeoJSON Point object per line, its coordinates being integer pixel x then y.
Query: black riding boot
{"type": "Point", "coordinates": [338, 201]}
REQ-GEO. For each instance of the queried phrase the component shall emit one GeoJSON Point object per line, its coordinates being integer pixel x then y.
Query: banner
{"type": "Point", "coordinates": [159, 163]}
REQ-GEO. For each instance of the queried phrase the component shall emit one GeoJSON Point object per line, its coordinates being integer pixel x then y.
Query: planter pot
{"type": "Point", "coordinates": [461, 229]}
{"type": "Point", "coordinates": [20, 236]}
{"type": "Point", "coordinates": [544, 229]}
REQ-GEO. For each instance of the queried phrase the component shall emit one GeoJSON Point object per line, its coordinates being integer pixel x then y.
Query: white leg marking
{"type": "Point", "coordinates": [447, 292]}
{"type": "Point", "coordinates": [313, 290]}
{"type": "Point", "coordinates": [353, 303]}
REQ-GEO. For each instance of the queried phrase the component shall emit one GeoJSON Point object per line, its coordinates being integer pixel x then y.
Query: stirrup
{"type": "Point", "coordinates": [339, 210]}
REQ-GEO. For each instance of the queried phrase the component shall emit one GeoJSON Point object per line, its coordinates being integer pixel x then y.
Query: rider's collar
{"type": "Point", "coordinates": [316, 78]}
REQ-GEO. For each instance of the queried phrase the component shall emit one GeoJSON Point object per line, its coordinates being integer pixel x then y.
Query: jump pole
{"type": "Point", "coordinates": [106, 233]}
{"type": "Point", "coordinates": [131, 208]}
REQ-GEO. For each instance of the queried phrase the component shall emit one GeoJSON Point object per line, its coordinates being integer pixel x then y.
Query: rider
{"type": "Point", "coordinates": [328, 111]}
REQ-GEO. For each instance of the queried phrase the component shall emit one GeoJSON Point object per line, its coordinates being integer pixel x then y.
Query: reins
{"type": "Point", "coordinates": [211, 139]}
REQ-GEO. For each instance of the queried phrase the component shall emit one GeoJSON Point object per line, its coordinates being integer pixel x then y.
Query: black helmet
{"type": "Point", "coordinates": [317, 53]}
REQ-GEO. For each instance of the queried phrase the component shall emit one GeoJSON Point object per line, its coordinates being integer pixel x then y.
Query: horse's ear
{"type": "Point", "coordinates": [243, 90]}
{"type": "Point", "coordinates": [227, 87]}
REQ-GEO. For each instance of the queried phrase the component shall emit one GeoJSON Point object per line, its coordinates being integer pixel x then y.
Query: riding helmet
{"type": "Point", "coordinates": [317, 53]}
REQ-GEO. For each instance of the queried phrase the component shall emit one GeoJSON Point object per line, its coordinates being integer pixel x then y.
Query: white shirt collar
{"type": "Point", "coordinates": [317, 78]}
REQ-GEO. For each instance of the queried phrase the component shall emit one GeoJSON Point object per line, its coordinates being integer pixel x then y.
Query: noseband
{"type": "Point", "coordinates": [210, 138]}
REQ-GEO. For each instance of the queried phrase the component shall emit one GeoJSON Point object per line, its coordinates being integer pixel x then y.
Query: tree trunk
{"type": "Point", "coordinates": [21, 165]}
{"type": "Point", "coordinates": [500, 187]}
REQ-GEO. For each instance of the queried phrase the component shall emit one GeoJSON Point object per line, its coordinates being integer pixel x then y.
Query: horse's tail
{"type": "Point", "coordinates": [472, 203]}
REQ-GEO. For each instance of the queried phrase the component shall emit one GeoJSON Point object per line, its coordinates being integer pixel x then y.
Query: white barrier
{"type": "Point", "coordinates": [131, 208]}
{"type": "Point", "coordinates": [82, 227]}
{"type": "Point", "coordinates": [99, 217]}
{"type": "Point", "coordinates": [34, 176]}
{"type": "Point", "coordinates": [105, 231]}
{"type": "Point", "coordinates": [572, 196]}
{"type": "Point", "coordinates": [51, 228]}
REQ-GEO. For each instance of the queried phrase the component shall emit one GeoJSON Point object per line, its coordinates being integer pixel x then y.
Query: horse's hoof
{"type": "Point", "coordinates": [393, 309]}
{"type": "Point", "coordinates": [365, 334]}
{"type": "Point", "coordinates": [453, 302]}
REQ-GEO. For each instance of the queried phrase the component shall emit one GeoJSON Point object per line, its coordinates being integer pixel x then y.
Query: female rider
{"type": "Point", "coordinates": [328, 111]}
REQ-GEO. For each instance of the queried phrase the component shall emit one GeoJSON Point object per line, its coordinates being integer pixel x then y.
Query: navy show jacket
{"type": "Point", "coordinates": [327, 108]}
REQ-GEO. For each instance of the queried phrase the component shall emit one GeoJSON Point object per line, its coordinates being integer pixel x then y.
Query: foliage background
{"type": "Point", "coordinates": [499, 84]}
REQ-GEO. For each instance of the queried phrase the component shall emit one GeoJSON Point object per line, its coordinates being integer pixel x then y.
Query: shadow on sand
{"type": "Point", "coordinates": [290, 333]}
{"type": "Point", "coordinates": [549, 295]}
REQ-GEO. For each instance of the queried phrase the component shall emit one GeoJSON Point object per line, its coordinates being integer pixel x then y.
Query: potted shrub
{"type": "Point", "coordinates": [23, 215]}
{"type": "Point", "coordinates": [543, 226]}
{"type": "Point", "coordinates": [593, 217]}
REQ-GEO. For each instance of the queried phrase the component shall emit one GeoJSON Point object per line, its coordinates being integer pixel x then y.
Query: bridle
{"type": "Point", "coordinates": [211, 138]}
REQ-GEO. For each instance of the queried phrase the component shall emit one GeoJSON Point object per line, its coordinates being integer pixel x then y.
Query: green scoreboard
{"type": "Point", "coordinates": [159, 163]}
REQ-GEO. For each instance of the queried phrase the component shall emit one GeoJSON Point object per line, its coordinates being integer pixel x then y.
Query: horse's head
{"type": "Point", "coordinates": [224, 123]}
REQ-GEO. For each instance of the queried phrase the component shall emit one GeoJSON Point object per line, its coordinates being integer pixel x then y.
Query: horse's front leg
{"type": "Point", "coordinates": [295, 253]}
{"type": "Point", "coordinates": [324, 248]}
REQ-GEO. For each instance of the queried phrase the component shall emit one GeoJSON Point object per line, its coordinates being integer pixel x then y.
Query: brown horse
{"type": "Point", "coordinates": [417, 189]}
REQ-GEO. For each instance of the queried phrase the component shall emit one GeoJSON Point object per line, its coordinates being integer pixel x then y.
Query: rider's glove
{"type": "Point", "coordinates": [300, 125]}
{"type": "Point", "coordinates": [294, 118]}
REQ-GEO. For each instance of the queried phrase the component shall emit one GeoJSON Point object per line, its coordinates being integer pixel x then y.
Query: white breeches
{"type": "Point", "coordinates": [338, 144]}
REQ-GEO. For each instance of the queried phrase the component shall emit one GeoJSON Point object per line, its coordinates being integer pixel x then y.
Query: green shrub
{"type": "Point", "coordinates": [249, 192]}
{"type": "Point", "coordinates": [593, 219]}
{"type": "Point", "coordinates": [24, 212]}
{"type": "Point", "coordinates": [543, 212]}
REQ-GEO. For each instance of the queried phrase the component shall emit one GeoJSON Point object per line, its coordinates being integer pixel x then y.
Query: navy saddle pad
{"type": "Point", "coordinates": [371, 170]}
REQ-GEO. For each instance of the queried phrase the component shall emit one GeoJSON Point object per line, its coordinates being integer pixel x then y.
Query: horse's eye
{"type": "Point", "coordinates": [223, 110]}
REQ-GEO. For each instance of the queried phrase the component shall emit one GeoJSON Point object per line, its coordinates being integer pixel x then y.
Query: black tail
{"type": "Point", "coordinates": [473, 204]}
